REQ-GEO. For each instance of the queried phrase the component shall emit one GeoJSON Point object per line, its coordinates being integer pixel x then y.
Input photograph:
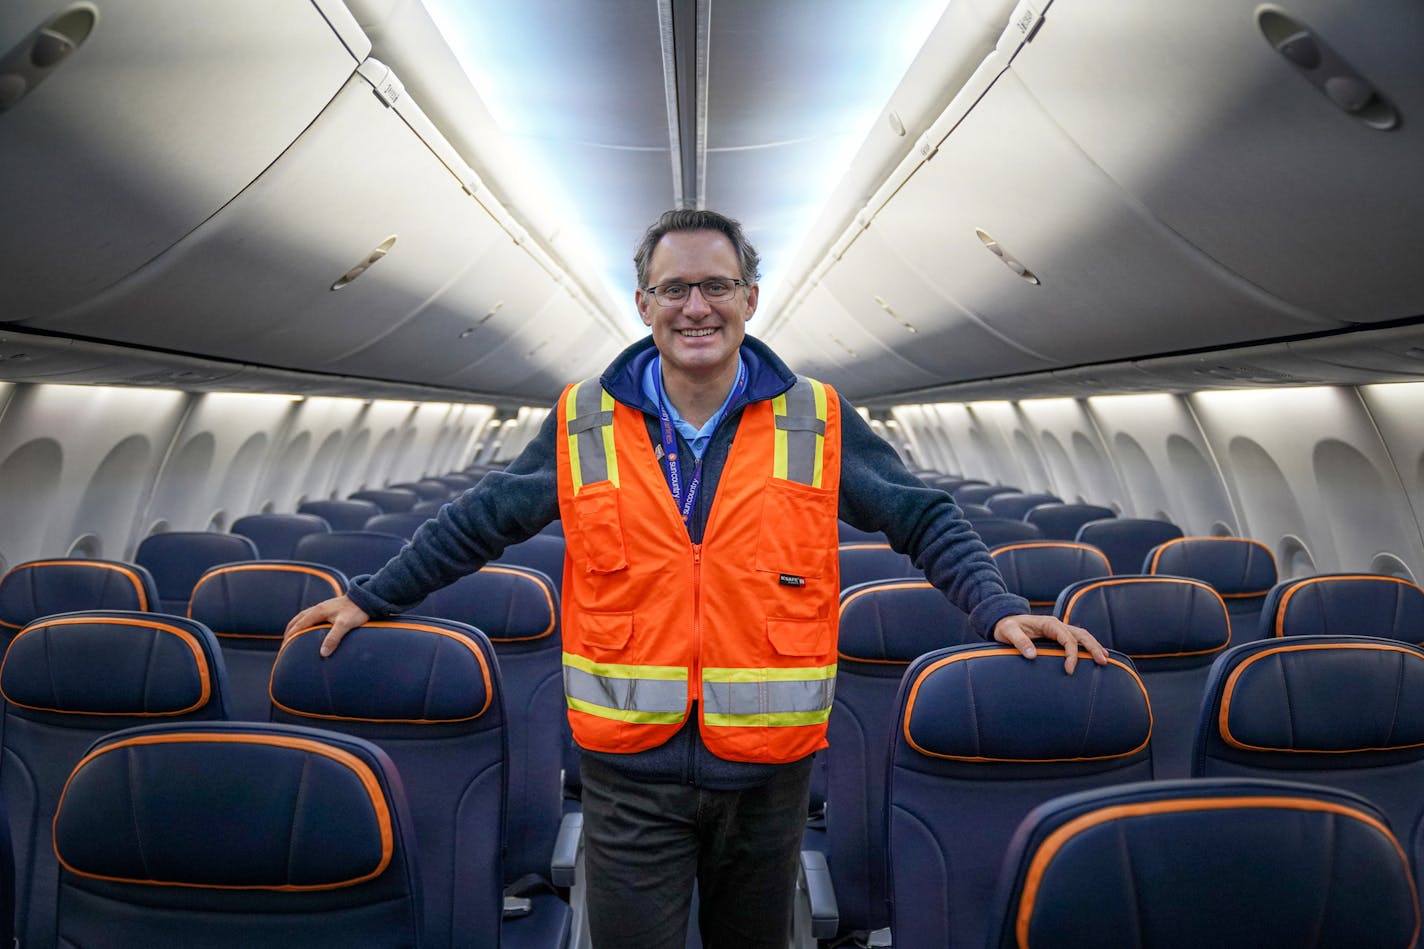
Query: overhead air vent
{"type": "Point", "coordinates": [1325, 69]}
{"type": "Point", "coordinates": [381, 250]}
{"type": "Point", "coordinates": [1009, 260]}
{"type": "Point", "coordinates": [28, 63]}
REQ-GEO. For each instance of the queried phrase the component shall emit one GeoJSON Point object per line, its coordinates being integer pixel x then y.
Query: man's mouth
{"type": "Point", "coordinates": [704, 331]}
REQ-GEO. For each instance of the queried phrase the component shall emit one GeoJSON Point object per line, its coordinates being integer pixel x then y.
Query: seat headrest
{"type": "Point", "coordinates": [1346, 605]}
{"type": "Point", "coordinates": [255, 600]}
{"type": "Point", "coordinates": [1236, 566]}
{"type": "Point", "coordinates": [508, 604]}
{"type": "Point", "coordinates": [114, 664]}
{"type": "Point", "coordinates": [1205, 862]}
{"type": "Point", "coordinates": [1149, 617]}
{"type": "Point", "coordinates": [1317, 695]}
{"type": "Point", "coordinates": [1039, 570]}
{"type": "Point", "coordinates": [894, 621]}
{"type": "Point", "coordinates": [243, 806]}
{"type": "Point", "coordinates": [418, 670]}
{"type": "Point", "coordinates": [981, 703]}
{"type": "Point", "coordinates": [42, 587]}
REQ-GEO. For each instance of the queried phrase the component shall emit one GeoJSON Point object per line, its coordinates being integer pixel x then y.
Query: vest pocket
{"type": "Point", "coordinates": [799, 637]}
{"type": "Point", "coordinates": [600, 528]}
{"type": "Point", "coordinates": [605, 630]}
{"type": "Point", "coordinates": [796, 520]}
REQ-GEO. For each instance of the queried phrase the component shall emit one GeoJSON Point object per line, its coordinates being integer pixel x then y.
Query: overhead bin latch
{"type": "Point", "coordinates": [383, 81]}
{"type": "Point", "coordinates": [1024, 22]}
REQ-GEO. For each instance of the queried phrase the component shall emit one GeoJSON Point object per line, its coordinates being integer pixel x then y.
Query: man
{"type": "Point", "coordinates": [699, 481]}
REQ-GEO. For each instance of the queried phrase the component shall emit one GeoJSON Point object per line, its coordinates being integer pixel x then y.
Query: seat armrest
{"type": "Point", "coordinates": [815, 882]}
{"type": "Point", "coordinates": [562, 867]}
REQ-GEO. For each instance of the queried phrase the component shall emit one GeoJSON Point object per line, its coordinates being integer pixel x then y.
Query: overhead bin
{"type": "Point", "coordinates": [1232, 123]}
{"type": "Point", "coordinates": [145, 120]}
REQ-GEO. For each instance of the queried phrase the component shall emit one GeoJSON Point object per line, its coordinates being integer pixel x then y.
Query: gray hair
{"type": "Point", "coordinates": [689, 219]}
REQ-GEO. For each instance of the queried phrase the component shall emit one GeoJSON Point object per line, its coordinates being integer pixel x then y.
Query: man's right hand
{"type": "Point", "coordinates": [339, 611]}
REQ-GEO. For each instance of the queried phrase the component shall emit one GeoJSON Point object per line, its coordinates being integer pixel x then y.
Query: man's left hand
{"type": "Point", "coordinates": [1022, 629]}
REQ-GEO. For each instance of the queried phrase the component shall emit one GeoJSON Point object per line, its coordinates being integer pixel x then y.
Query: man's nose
{"type": "Point", "coordinates": [696, 303]}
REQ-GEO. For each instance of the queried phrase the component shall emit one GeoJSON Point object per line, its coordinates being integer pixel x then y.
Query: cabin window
{"type": "Point", "coordinates": [86, 547]}
{"type": "Point", "coordinates": [217, 524]}
{"type": "Point", "coordinates": [1294, 558]}
{"type": "Point", "coordinates": [1391, 566]}
{"type": "Point", "coordinates": [1222, 529]}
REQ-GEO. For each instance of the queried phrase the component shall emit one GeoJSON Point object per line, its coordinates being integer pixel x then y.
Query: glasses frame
{"type": "Point", "coordinates": [657, 291]}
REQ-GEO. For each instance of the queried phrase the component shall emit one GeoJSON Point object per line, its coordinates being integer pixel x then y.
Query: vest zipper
{"type": "Point", "coordinates": [696, 678]}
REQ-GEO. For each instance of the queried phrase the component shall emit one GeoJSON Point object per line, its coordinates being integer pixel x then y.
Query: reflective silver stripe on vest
{"type": "Point", "coordinates": [801, 423]}
{"type": "Point", "coordinates": [768, 703]}
{"type": "Point", "coordinates": [590, 433]}
{"type": "Point", "coordinates": [656, 694]}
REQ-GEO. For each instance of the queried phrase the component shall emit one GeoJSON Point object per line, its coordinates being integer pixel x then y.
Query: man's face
{"type": "Point", "coordinates": [696, 338]}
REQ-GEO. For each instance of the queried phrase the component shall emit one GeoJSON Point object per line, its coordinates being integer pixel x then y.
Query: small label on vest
{"type": "Point", "coordinates": [787, 580]}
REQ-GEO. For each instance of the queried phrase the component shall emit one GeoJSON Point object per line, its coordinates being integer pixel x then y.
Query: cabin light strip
{"type": "Point", "coordinates": [704, 46]}
{"type": "Point", "coordinates": [669, 50]}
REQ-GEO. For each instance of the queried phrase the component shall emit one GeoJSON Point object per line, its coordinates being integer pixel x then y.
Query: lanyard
{"type": "Point", "coordinates": [684, 494]}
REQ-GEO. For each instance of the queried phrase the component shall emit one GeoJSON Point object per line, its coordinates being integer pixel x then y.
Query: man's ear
{"type": "Point", "coordinates": [642, 301]}
{"type": "Point", "coordinates": [752, 299]}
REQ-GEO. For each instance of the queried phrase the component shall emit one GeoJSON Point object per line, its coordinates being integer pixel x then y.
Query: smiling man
{"type": "Point", "coordinates": [699, 481]}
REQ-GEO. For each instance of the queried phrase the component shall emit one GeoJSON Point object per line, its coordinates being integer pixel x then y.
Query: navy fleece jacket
{"type": "Point", "coordinates": [877, 493]}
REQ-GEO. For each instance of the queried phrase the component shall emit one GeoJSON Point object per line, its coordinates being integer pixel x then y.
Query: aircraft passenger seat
{"type": "Point", "coordinates": [994, 531]}
{"type": "Point", "coordinates": [341, 515]}
{"type": "Point", "coordinates": [518, 609]}
{"type": "Point", "coordinates": [975, 512]}
{"type": "Point", "coordinates": [1337, 710]}
{"type": "Point", "coordinates": [1228, 863]}
{"type": "Point", "coordinates": [981, 493]}
{"type": "Point", "coordinates": [981, 737]}
{"type": "Point", "coordinates": [428, 508]}
{"type": "Point", "coordinates": [1015, 506]}
{"type": "Point", "coordinates": [542, 552]}
{"type": "Point", "coordinates": [44, 587]}
{"type": "Point", "coordinates": [854, 535]}
{"type": "Point", "coordinates": [428, 691]}
{"type": "Point", "coordinates": [248, 606]}
{"type": "Point", "coordinates": [389, 500]}
{"type": "Point", "coordinates": [354, 553]}
{"type": "Point", "coordinates": [427, 489]}
{"type": "Point", "coordinates": [1127, 540]}
{"type": "Point", "coordinates": [1344, 604]}
{"type": "Point", "coordinates": [71, 679]}
{"type": "Point", "coordinates": [457, 482]}
{"type": "Point", "coordinates": [1172, 628]}
{"type": "Point", "coordinates": [400, 525]}
{"type": "Point", "coordinates": [276, 535]}
{"type": "Point", "coordinates": [863, 562]}
{"type": "Point", "coordinates": [884, 626]}
{"type": "Point", "coordinates": [1062, 521]}
{"type": "Point", "coordinates": [1040, 570]}
{"type": "Point", "coordinates": [176, 559]}
{"type": "Point", "coordinates": [1242, 571]}
{"type": "Point", "coordinates": [235, 835]}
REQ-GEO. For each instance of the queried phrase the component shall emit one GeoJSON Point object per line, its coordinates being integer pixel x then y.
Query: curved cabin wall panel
{"type": "Point", "coordinates": [254, 283]}
{"type": "Point", "coordinates": [1230, 145]}
{"type": "Point", "coordinates": [159, 117]}
{"type": "Point", "coordinates": [1113, 282]}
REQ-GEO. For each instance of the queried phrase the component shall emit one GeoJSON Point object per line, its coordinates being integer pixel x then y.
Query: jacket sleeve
{"type": "Point", "coordinates": [504, 508]}
{"type": "Point", "coordinates": [879, 494]}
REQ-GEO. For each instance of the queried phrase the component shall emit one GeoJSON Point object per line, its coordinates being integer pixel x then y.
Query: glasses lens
{"type": "Point", "coordinates": [670, 294]}
{"type": "Point", "coordinates": [717, 289]}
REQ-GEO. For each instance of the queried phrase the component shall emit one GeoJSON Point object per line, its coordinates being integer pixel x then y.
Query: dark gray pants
{"type": "Point", "coordinates": [645, 844]}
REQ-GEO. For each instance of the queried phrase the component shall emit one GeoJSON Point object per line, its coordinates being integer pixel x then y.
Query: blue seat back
{"type": "Point", "coordinates": [1062, 521]}
{"type": "Point", "coordinates": [1337, 710]}
{"type": "Point", "coordinates": [542, 552]}
{"type": "Point", "coordinates": [68, 680]}
{"type": "Point", "coordinates": [862, 562]}
{"type": "Point", "coordinates": [389, 500]}
{"type": "Point", "coordinates": [429, 508]}
{"type": "Point", "coordinates": [352, 552]}
{"type": "Point", "coordinates": [847, 534]}
{"type": "Point", "coordinates": [518, 610]}
{"type": "Point", "coordinates": [44, 587]}
{"type": "Point", "coordinates": [345, 515]}
{"type": "Point", "coordinates": [177, 559]}
{"type": "Point", "coordinates": [228, 835]}
{"type": "Point", "coordinates": [981, 737]}
{"type": "Point", "coordinates": [427, 489]}
{"type": "Point", "coordinates": [884, 626]}
{"type": "Point", "coordinates": [428, 692]}
{"type": "Point", "coordinates": [1171, 628]}
{"type": "Point", "coordinates": [1040, 570]}
{"type": "Point", "coordinates": [1015, 506]}
{"type": "Point", "coordinates": [1231, 863]}
{"type": "Point", "coordinates": [1345, 605]}
{"type": "Point", "coordinates": [457, 482]}
{"type": "Point", "coordinates": [994, 531]}
{"type": "Point", "coordinates": [975, 512]}
{"type": "Point", "coordinates": [401, 525]}
{"type": "Point", "coordinates": [1242, 571]}
{"type": "Point", "coordinates": [248, 606]}
{"type": "Point", "coordinates": [1126, 540]}
{"type": "Point", "coordinates": [276, 535]}
{"type": "Point", "coordinates": [979, 493]}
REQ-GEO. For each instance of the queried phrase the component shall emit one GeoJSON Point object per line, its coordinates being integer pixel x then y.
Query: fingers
{"type": "Point", "coordinates": [1019, 632]}
{"type": "Point", "coordinates": [1010, 634]}
{"type": "Point", "coordinates": [339, 612]}
{"type": "Point", "coordinates": [334, 637]}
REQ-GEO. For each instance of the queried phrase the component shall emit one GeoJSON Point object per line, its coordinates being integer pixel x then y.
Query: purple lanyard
{"type": "Point", "coordinates": [684, 495]}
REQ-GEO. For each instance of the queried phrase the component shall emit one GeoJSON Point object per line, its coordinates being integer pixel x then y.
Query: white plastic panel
{"type": "Point", "coordinates": [1091, 478]}
{"type": "Point", "coordinates": [1193, 112]}
{"type": "Point", "coordinates": [1113, 282]}
{"type": "Point", "coordinates": [164, 113]}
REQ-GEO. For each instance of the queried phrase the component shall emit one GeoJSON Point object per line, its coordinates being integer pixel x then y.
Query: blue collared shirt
{"type": "Point", "coordinates": [697, 438]}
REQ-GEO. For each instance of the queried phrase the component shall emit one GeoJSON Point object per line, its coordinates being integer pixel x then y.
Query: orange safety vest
{"type": "Point", "coordinates": [744, 623]}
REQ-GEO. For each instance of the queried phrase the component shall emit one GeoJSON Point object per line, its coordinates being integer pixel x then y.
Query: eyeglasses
{"type": "Point", "coordinates": [714, 290]}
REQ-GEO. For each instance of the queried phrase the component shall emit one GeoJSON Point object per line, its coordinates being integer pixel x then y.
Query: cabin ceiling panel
{"type": "Point", "coordinates": [1231, 145]}
{"type": "Point", "coordinates": [153, 123]}
{"type": "Point", "coordinates": [254, 282]}
{"type": "Point", "coordinates": [1112, 281]}
{"type": "Point", "coordinates": [520, 365]}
